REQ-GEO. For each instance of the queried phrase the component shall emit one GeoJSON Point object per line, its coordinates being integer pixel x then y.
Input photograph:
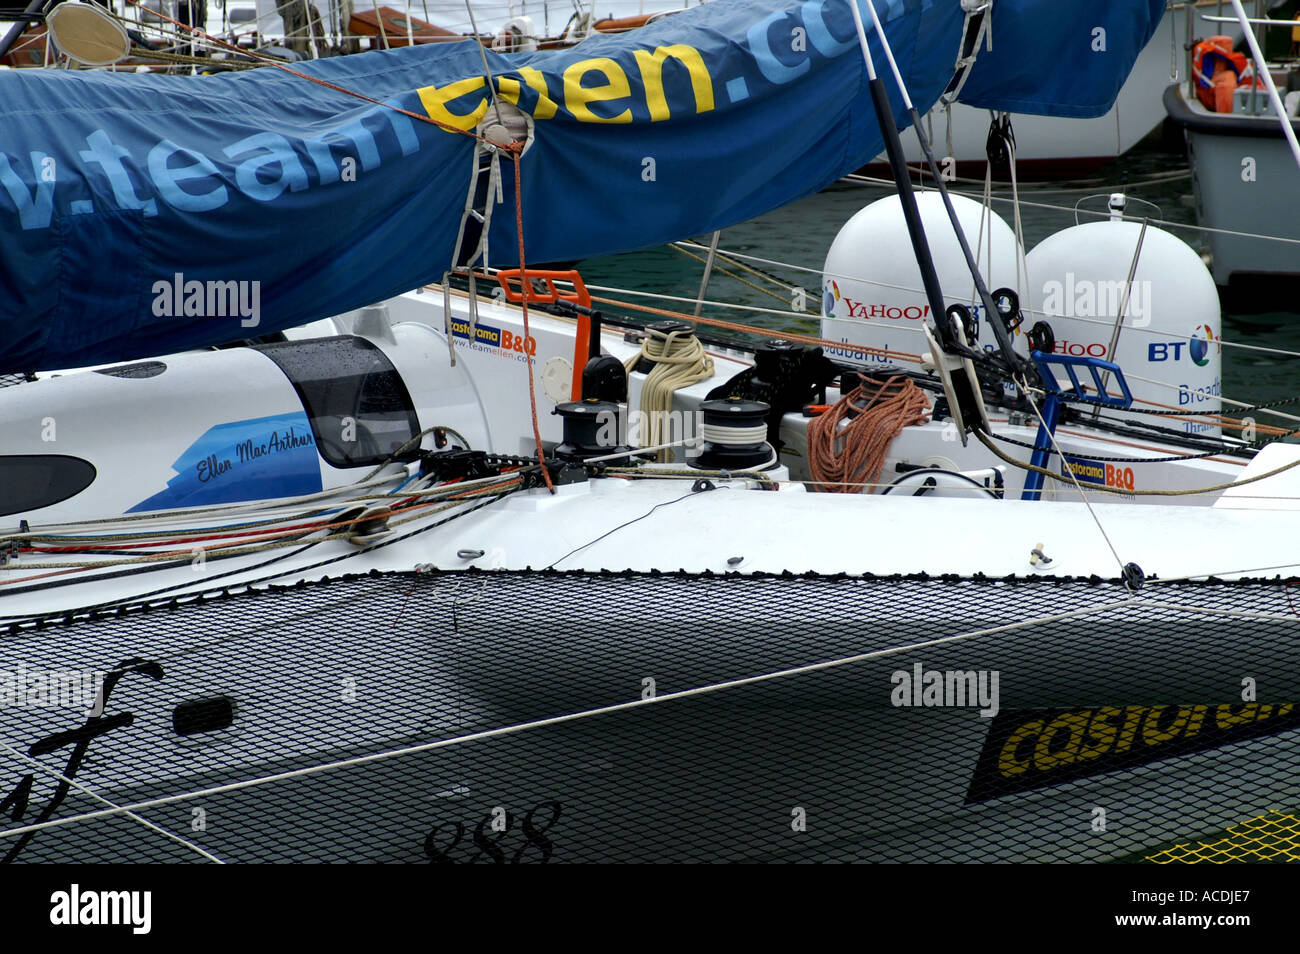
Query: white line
{"type": "Point", "coordinates": [877, 182]}
{"type": "Point", "coordinates": [130, 814]}
{"type": "Point", "coordinates": [1238, 614]}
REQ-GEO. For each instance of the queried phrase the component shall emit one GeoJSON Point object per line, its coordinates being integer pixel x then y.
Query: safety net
{"type": "Point", "coordinates": [434, 717]}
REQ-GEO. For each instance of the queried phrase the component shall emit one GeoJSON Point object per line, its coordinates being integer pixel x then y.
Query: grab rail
{"type": "Point", "coordinates": [1051, 410]}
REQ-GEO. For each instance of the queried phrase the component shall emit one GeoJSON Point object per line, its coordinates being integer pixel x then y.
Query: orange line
{"type": "Point", "coordinates": [523, 284]}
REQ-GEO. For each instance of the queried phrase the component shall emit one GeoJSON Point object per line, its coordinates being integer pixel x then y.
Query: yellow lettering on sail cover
{"type": "Point", "coordinates": [1101, 732]}
{"type": "Point", "coordinates": [1152, 734]}
{"type": "Point", "coordinates": [577, 97]}
{"type": "Point", "coordinates": [510, 90]}
{"type": "Point", "coordinates": [1226, 717]}
{"type": "Point", "coordinates": [1008, 764]}
{"type": "Point", "coordinates": [1069, 726]}
{"type": "Point", "coordinates": [435, 100]}
{"type": "Point", "coordinates": [652, 76]}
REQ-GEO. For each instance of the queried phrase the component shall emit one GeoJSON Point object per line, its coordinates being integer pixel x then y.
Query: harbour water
{"type": "Point", "coordinates": [801, 234]}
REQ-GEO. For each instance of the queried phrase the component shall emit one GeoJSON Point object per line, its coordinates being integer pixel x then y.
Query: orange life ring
{"type": "Point", "coordinates": [1218, 69]}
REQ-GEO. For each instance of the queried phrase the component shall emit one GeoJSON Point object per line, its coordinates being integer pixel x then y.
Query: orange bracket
{"type": "Point", "coordinates": [519, 292]}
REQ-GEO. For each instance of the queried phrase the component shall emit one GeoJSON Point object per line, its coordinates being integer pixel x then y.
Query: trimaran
{"type": "Point", "coordinates": [437, 579]}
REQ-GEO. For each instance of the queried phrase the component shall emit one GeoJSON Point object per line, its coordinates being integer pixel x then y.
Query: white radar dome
{"type": "Point", "coordinates": [871, 284]}
{"type": "Point", "coordinates": [1170, 331]}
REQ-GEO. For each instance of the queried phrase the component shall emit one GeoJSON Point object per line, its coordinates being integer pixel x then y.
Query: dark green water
{"type": "Point", "coordinates": [801, 234]}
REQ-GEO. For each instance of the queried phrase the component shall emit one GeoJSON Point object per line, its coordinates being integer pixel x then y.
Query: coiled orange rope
{"type": "Point", "coordinates": [848, 444]}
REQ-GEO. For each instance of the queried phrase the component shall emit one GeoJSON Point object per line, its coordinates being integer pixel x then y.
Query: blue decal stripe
{"type": "Point", "coordinates": [257, 459]}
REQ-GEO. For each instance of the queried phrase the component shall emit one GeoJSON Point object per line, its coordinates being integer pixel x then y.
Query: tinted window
{"type": "Point", "coordinates": [360, 411]}
{"type": "Point", "coordinates": [32, 481]}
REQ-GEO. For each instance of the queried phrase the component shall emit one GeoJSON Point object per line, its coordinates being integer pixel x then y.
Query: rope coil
{"type": "Point", "coordinates": [848, 444]}
{"type": "Point", "coordinates": [679, 361]}
{"type": "Point", "coordinates": [717, 434]}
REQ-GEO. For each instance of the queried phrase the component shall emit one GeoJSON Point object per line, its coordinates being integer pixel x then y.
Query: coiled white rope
{"type": "Point", "coordinates": [730, 436]}
{"type": "Point", "coordinates": [679, 361]}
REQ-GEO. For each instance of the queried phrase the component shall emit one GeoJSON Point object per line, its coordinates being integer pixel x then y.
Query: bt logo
{"type": "Point", "coordinates": [1198, 347]}
{"type": "Point", "coordinates": [1165, 350]}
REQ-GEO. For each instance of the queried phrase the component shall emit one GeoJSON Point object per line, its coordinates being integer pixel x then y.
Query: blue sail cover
{"type": "Point", "coordinates": [142, 214]}
{"type": "Point", "coordinates": [1060, 57]}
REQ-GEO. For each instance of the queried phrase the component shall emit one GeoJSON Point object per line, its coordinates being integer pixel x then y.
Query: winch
{"type": "Point", "coordinates": [735, 435]}
{"type": "Point", "coordinates": [592, 428]}
{"type": "Point", "coordinates": [785, 377]}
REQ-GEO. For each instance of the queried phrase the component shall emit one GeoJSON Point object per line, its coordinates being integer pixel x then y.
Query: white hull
{"type": "Point", "coordinates": [1245, 181]}
{"type": "Point", "coordinates": [1049, 146]}
{"type": "Point", "coordinates": [485, 398]}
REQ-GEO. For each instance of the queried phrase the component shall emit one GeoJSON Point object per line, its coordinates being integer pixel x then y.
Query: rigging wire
{"type": "Point", "coordinates": [749, 329]}
{"type": "Point", "coordinates": [908, 288]}
{"type": "Point", "coordinates": [907, 357]}
{"type": "Point", "coordinates": [873, 181]}
{"type": "Point", "coordinates": [523, 306]}
{"type": "Point", "coordinates": [1051, 436]}
{"type": "Point", "coordinates": [1172, 458]}
{"type": "Point", "coordinates": [226, 550]}
{"type": "Point", "coordinates": [279, 65]}
{"type": "Point", "coordinates": [455, 513]}
{"type": "Point", "coordinates": [1192, 491]}
{"type": "Point", "coordinates": [1262, 72]}
{"type": "Point", "coordinates": [893, 65]}
{"type": "Point", "coordinates": [1086, 185]}
{"type": "Point", "coordinates": [513, 149]}
{"type": "Point", "coordinates": [1219, 574]}
{"type": "Point", "coordinates": [676, 246]}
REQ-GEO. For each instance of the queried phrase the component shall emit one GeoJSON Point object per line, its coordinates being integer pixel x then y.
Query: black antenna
{"type": "Point", "coordinates": [894, 146]}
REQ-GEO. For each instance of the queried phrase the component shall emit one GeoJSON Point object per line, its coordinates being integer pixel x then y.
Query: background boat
{"type": "Point", "coordinates": [1246, 174]}
{"type": "Point", "coordinates": [1054, 148]}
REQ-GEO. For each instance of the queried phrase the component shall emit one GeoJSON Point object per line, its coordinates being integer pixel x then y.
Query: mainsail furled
{"type": "Point", "coordinates": [144, 214]}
